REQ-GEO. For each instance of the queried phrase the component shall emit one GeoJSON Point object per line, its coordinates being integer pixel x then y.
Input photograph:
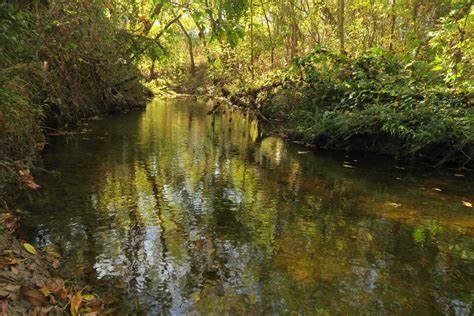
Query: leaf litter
{"type": "Point", "coordinates": [29, 284]}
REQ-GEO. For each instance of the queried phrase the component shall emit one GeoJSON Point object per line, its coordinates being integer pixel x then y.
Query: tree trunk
{"type": "Point", "coordinates": [190, 48]}
{"type": "Point", "coordinates": [416, 6]}
{"type": "Point", "coordinates": [340, 25]}
{"type": "Point", "coordinates": [392, 24]}
{"type": "Point", "coordinates": [270, 36]}
{"type": "Point", "coordinates": [252, 53]}
{"type": "Point", "coordinates": [294, 32]}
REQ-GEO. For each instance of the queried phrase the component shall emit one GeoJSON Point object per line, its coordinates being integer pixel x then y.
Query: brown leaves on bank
{"type": "Point", "coordinates": [7, 261]}
{"type": "Point", "coordinates": [27, 179]}
{"type": "Point", "coordinates": [28, 285]}
{"type": "Point", "coordinates": [33, 297]}
{"type": "Point", "coordinates": [10, 221]}
{"type": "Point", "coordinates": [25, 176]}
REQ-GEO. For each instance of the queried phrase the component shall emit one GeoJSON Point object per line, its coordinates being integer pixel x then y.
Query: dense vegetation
{"type": "Point", "coordinates": [374, 102]}
{"type": "Point", "coordinates": [386, 76]}
{"type": "Point", "coordinates": [391, 76]}
{"type": "Point", "coordinates": [60, 63]}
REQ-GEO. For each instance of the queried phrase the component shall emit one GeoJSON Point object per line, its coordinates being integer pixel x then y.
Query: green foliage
{"type": "Point", "coordinates": [20, 132]}
{"type": "Point", "coordinates": [59, 64]}
{"type": "Point", "coordinates": [453, 45]}
{"type": "Point", "coordinates": [331, 99]}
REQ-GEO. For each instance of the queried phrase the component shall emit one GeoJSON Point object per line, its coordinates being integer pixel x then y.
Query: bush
{"type": "Point", "coordinates": [329, 99]}
{"type": "Point", "coordinates": [59, 63]}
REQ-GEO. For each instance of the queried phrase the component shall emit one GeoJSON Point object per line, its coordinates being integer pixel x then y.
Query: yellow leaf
{"type": "Point", "coordinates": [467, 204]}
{"type": "Point", "coordinates": [30, 248]}
{"type": "Point", "coordinates": [76, 301]}
{"type": "Point", "coordinates": [50, 250]}
{"type": "Point", "coordinates": [46, 292]}
{"type": "Point", "coordinates": [88, 297]}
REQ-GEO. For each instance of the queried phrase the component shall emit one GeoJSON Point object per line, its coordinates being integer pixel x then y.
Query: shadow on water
{"type": "Point", "coordinates": [179, 212]}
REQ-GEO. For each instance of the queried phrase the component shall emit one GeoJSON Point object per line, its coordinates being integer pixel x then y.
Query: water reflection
{"type": "Point", "coordinates": [180, 212]}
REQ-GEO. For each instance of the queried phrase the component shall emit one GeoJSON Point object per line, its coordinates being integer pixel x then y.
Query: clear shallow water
{"type": "Point", "coordinates": [177, 212]}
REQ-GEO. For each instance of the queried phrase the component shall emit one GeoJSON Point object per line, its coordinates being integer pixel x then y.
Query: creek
{"type": "Point", "coordinates": [178, 212]}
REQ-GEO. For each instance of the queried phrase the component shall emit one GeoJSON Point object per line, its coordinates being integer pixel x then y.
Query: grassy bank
{"type": "Point", "coordinates": [59, 63]}
{"type": "Point", "coordinates": [375, 102]}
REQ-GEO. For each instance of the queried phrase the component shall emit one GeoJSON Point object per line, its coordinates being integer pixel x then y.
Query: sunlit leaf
{"type": "Point", "coordinates": [46, 292]}
{"type": "Point", "coordinates": [467, 204]}
{"type": "Point", "coordinates": [76, 301]}
{"type": "Point", "coordinates": [419, 235]}
{"type": "Point", "coordinates": [88, 297]}
{"type": "Point", "coordinates": [50, 250]}
{"type": "Point", "coordinates": [30, 248]}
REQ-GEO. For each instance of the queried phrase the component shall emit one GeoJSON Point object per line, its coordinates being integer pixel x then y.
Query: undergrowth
{"type": "Point", "coordinates": [59, 63]}
{"type": "Point", "coordinates": [370, 102]}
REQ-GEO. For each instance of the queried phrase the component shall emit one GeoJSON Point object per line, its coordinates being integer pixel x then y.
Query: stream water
{"type": "Point", "coordinates": [177, 212]}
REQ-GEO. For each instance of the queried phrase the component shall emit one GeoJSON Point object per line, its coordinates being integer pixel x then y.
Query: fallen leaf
{"type": "Point", "coordinates": [55, 286]}
{"type": "Point", "coordinates": [10, 221]}
{"type": "Point", "coordinates": [437, 189]}
{"type": "Point", "coordinates": [348, 166]}
{"type": "Point", "coordinates": [396, 205]}
{"type": "Point", "coordinates": [76, 301]}
{"type": "Point", "coordinates": [54, 262]}
{"type": "Point", "coordinates": [467, 204]}
{"type": "Point", "coordinates": [7, 261]}
{"type": "Point", "coordinates": [88, 297]}
{"type": "Point", "coordinates": [46, 292]}
{"type": "Point", "coordinates": [10, 292]}
{"type": "Point", "coordinates": [33, 296]}
{"type": "Point", "coordinates": [27, 179]}
{"type": "Point", "coordinates": [62, 294]}
{"type": "Point", "coordinates": [30, 248]}
{"type": "Point", "coordinates": [4, 308]}
{"type": "Point", "coordinates": [14, 270]}
{"type": "Point", "coordinates": [52, 251]}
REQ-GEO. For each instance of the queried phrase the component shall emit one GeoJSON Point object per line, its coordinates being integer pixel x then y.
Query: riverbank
{"type": "Point", "coordinates": [60, 64]}
{"type": "Point", "coordinates": [30, 281]}
{"type": "Point", "coordinates": [374, 103]}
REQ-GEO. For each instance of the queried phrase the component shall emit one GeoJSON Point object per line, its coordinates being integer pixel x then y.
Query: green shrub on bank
{"type": "Point", "coordinates": [59, 63]}
{"type": "Point", "coordinates": [329, 99]}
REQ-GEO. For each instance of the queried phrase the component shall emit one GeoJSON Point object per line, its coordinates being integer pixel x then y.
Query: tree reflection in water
{"type": "Point", "coordinates": [180, 212]}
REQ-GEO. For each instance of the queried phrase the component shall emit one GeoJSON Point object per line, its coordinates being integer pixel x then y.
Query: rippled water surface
{"type": "Point", "coordinates": [177, 212]}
